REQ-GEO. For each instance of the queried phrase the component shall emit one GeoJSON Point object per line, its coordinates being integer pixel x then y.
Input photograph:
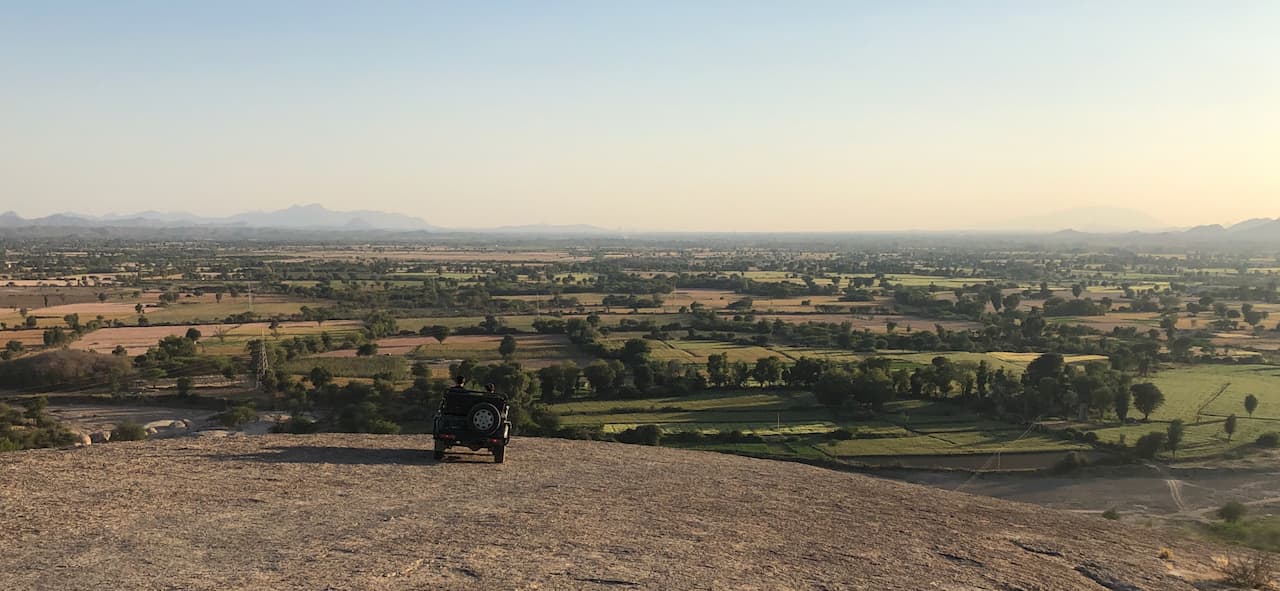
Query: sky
{"type": "Point", "coordinates": [709, 115]}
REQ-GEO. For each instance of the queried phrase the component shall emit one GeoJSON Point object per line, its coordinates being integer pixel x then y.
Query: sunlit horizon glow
{"type": "Point", "coordinates": [727, 116]}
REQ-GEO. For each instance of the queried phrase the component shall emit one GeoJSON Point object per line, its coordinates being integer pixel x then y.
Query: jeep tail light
{"type": "Point", "coordinates": [445, 436]}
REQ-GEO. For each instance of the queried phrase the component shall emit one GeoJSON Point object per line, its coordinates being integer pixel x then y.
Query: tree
{"type": "Point", "coordinates": [55, 337]}
{"type": "Point", "coordinates": [367, 350]}
{"type": "Point", "coordinates": [184, 386]}
{"type": "Point", "coordinates": [549, 381]}
{"type": "Point", "coordinates": [768, 370]}
{"type": "Point", "coordinates": [1048, 365]}
{"type": "Point", "coordinates": [1076, 290]}
{"type": "Point", "coordinates": [805, 372]}
{"type": "Point", "coordinates": [642, 376]}
{"type": "Point", "coordinates": [1250, 404]}
{"type": "Point", "coordinates": [380, 323]}
{"type": "Point", "coordinates": [873, 388]}
{"type": "Point", "coordinates": [600, 376]}
{"type": "Point", "coordinates": [320, 376]}
{"type": "Point", "coordinates": [439, 332]}
{"type": "Point", "coordinates": [1093, 392]}
{"type": "Point", "coordinates": [1229, 426]}
{"type": "Point", "coordinates": [193, 333]}
{"type": "Point", "coordinates": [569, 374]}
{"type": "Point", "coordinates": [1146, 398]}
{"type": "Point", "coordinates": [1011, 302]}
{"type": "Point", "coordinates": [834, 388]}
{"type": "Point", "coordinates": [1149, 445]}
{"type": "Point", "coordinates": [507, 348]}
{"type": "Point", "coordinates": [718, 368]}
{"type": "Point", "coordinates": [982, 376]}
{"type": "Point", "coordinates": [1123, 400]}
{"type": "Point", "coordinates": [635, 352]}
{"type": "Point", "coordinates": [1173, 435]}
{"type": "Point", "coordinates": [738, 373]}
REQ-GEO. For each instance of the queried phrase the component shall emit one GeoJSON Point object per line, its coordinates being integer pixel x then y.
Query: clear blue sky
{"type": "Point", "coordinates": [726, 115]}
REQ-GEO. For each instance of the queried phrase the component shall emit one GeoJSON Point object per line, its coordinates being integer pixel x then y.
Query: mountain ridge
{"type": "Point", "coordinates": [316, 217]}
{"type": "Point", "coordinates": [311, 216]}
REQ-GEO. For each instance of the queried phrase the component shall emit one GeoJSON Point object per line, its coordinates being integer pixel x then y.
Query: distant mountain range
{"type": "Point", "coordinates": [1076, 225]}
{"type": "Point", "coordinates": [299, 216]}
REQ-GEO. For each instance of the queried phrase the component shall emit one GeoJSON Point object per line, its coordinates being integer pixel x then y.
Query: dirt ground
{"type": "Point", "coordinates": [359, 512]}
{"type": "Point", "coordinates": [135, 339]}
{"type": "Point", "coordinates": [1176, 493]}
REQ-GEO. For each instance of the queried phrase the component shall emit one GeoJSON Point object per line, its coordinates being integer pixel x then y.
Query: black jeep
{"type": "Point", "coordinates": [477, 420]}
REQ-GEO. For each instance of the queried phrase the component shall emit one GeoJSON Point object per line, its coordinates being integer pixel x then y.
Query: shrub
{"type": "Point", "coordinates": [1232, 512]}
{"type": "Point", "coordinates": [545, 421]}
{"type": "Point", "coordinates": [184, 386]}
{"type": "Point", "coordinates": [1271, 439]}
{"type": "Point", "coordinates": [583, 433]}
{"type": "Point", "coordinates": [237, 417]}
{"type": "Point", "coordinates": [1253, 572]}
{"type": "Point", "coordinates": [841, 434]}
{"type": "Point", "coordinates": [1071, 462]}
{"type": "Point", "coordinates": [1111, 514]}
{"type": "Point", "coordinates": [685, 437]}
{"type": "Point", "coordinates": [382, 427]}
{"type": "Point", "coordinates": [643, 435]}
{"type": "Point", "coordinates": [297, 425]}
{"type": "Point", "coordinates": [1149, 445]}
{"type": "Point", "coordinates": [128, 431]}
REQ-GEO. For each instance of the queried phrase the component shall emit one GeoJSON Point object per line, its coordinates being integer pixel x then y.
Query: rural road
{"type": "Point", "coordinates": [368, 512]}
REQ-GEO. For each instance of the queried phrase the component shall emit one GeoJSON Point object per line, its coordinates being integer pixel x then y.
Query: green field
{"type": "Point", "coordinates": [1196, 389]}
{"type": "Point", "coordinates": [484, 348]}
{"type": "Point", "coordinates": [794, 425]}
{"type": "Point", "coordinates": [956, 443]}
{"type": "Point", "coordinates": [352, 367]}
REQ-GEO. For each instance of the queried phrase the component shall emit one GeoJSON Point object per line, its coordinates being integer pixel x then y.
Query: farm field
{"type": "Point", "coordinates": [216, 339]}
{"type": "Point", "coordinates": [535, 350]}
{"type": "Point", "coordinates": [1203, 396]}
{"type": "Point", "coordinates": [793, 424]}
{"type": "Point", "coordinates": [466, 287]}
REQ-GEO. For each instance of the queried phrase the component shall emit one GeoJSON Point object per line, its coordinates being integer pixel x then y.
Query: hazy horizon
{"type": "Point", "coordinates": [721, 116]}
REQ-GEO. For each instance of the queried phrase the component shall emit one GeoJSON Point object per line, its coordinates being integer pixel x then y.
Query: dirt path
{"type": "Point", "coordinates": [1175, 491]}
{"type": "Point", "coordinates": [364, 512]}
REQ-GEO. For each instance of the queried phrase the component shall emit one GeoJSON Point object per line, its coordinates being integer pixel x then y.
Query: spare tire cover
{"type": "Point", "coordinates": [484, 418]}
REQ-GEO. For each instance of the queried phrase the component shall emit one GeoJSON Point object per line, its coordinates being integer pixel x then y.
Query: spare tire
{"type": "Point", "coordinates": [484, 418]}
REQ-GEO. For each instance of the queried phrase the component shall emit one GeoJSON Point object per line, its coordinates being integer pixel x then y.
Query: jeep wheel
{"type": "Point", "coordinates": [438, 454]}
{"type": "Point", "coordinates": [484, 418]}
{"type": "Point", "coordinates": [499, 454]}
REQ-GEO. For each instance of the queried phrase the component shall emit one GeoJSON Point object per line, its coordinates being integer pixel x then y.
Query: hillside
{"type": "Point", "coordinates": [374, 512]}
